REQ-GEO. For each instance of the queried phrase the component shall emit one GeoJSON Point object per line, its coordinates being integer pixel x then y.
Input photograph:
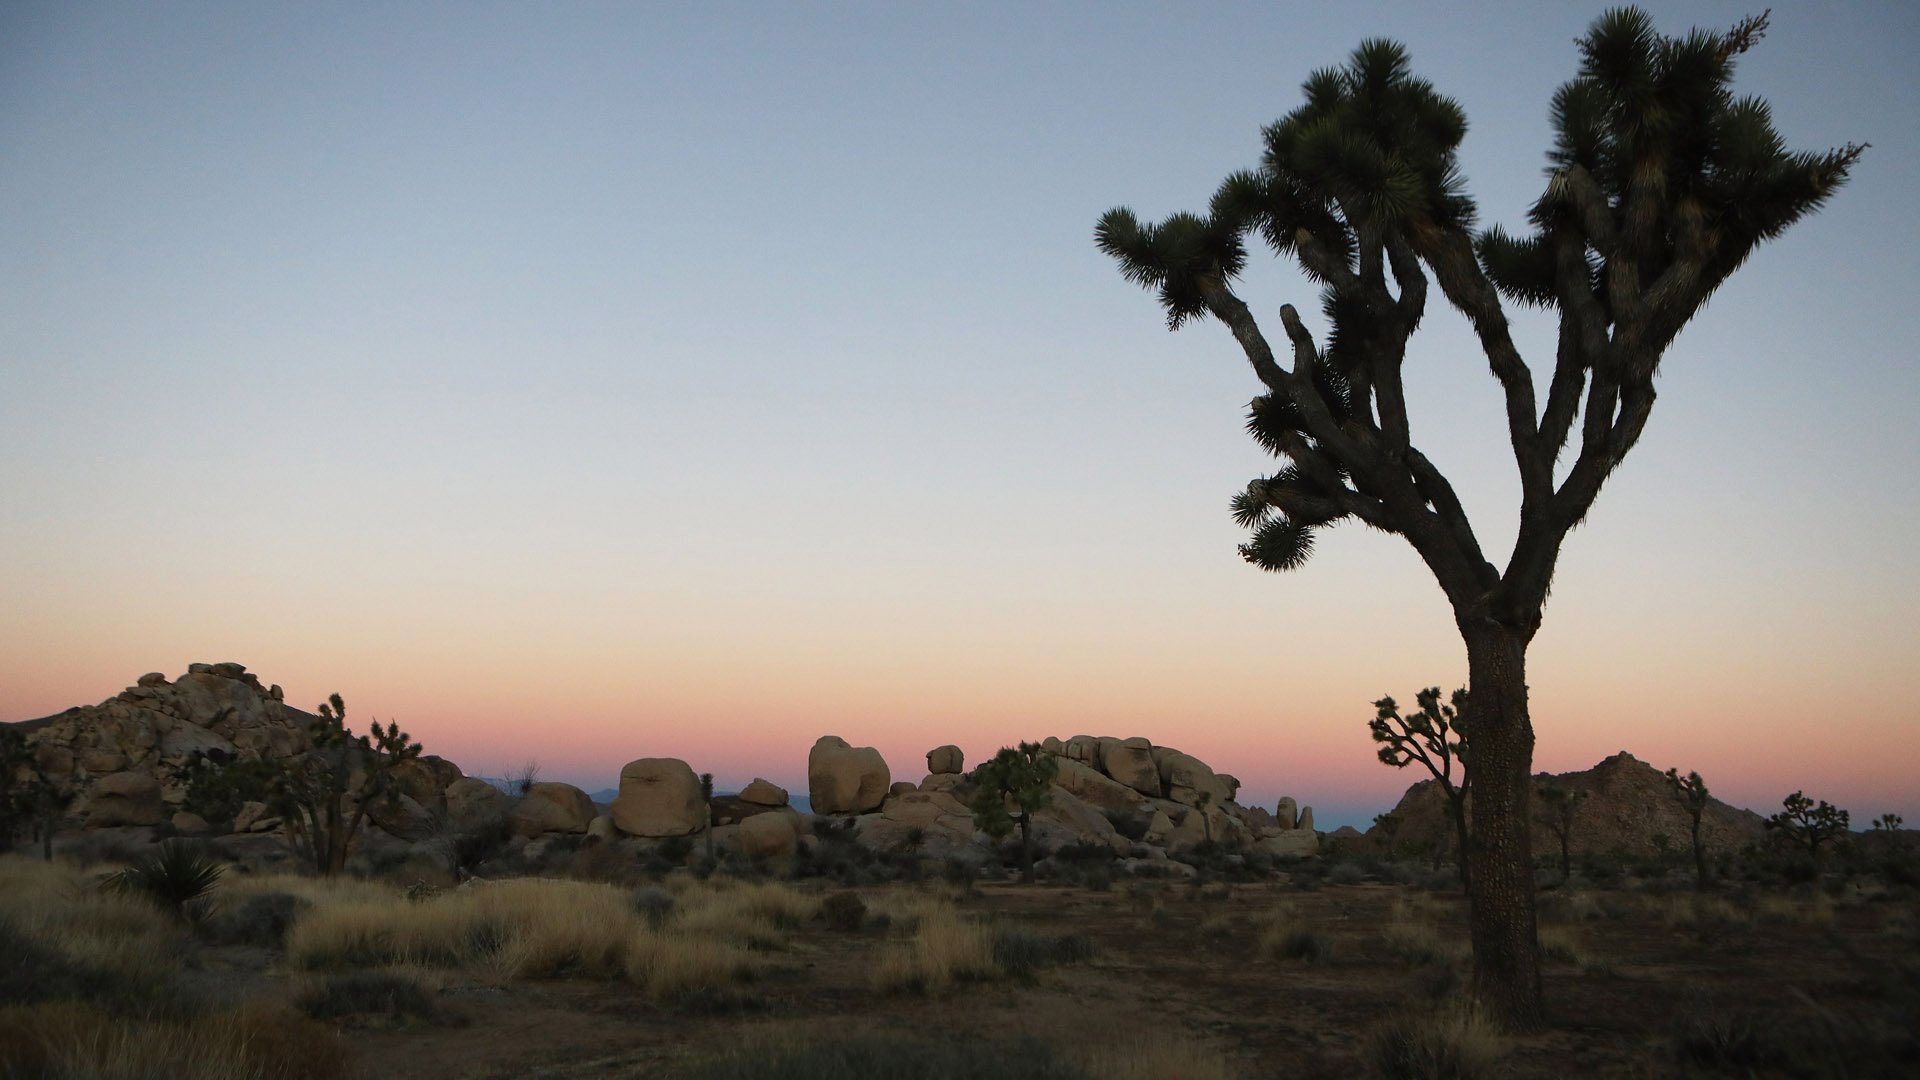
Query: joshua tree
{"type": "Point", "coordinates": [1693, 796]}
{"type": "Point", "coordinates": [1888, 823]}
{"type": "Point", "coordinates": [1660, 184]}
{"type": "Point", "coordinates": [324, 793]}
{"type": "Point", "coordinates": [1802, 822]}
{"type": "Point", "coordinates": [1389, 826]}
{"type": "Point", "coordinates": [1433, 737]}
{"type": "Point", "coordinates": [29, 799]}
{"type": "Point", "coordinates": [706, 802]}
{"type": "Point", "coordinates": [1022, 777]}
{"type": "Point", "coordinates": [1560, 806]}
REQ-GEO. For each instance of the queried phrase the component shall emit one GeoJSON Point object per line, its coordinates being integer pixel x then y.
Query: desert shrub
{"type": "Point", "coordinates": [1347, 873]}
{"type": "Point", "coordinates": [1457, 1045]}
{"type": "Point", "coordinates": [389, 995]}
{"type": "Point", "coordinates": [1021, 952]}
{"type": "Point", "coordinates": [72, 1041]}
{"type": "Point", "coordinates": [675, 849]}
{"type": "Point", "coordinates": [173, 877]}
{"type": "Point", "coordinates": [652, 903]}
{"type": "Point", "coordinates": [1308, 945]}
{"type": "Point", "coordinates": [894, 1055]}
{"type": "Point", "coordinates": [1738, 1043]}
{"type": "Point", "coordinates": [843, 911]}
{"type": "Point", "coordinates": [260, 919]}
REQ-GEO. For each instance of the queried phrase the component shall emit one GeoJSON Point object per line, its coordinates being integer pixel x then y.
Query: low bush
{"type": "Point", "coordinates": [1457, 1045]}
{"type": "Point", "coordinates": [385, 995]}
{"type": "Point", "coordinates": [260, 919]}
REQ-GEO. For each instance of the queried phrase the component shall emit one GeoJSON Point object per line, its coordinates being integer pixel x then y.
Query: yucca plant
{"type": "Point", "coordinates": [174, 877]}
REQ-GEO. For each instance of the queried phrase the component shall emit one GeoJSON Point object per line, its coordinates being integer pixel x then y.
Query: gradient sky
{"type": "Point", "coordinates": [589, 382]}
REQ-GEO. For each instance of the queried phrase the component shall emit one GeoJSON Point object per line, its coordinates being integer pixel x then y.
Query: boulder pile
{"type": "Point", "coordinates": [127, 760]}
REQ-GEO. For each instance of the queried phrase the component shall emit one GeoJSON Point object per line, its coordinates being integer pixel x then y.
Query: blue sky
{"type": "Point", "coordinates": [646, 372]}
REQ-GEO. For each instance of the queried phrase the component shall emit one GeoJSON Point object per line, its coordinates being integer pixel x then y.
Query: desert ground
{"type": "Point", "coordinates": [597, 964]}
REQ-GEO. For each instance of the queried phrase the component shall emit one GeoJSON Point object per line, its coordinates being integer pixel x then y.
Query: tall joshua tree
{"type": "Point", "coordinates": [1660, 183]}
{"type": "Point", "coordinates": [1432, 737]}
{"type": "Point", "coordinates": [1692, 793]}
{"type": "Point", "coordinates": [1011, 787]}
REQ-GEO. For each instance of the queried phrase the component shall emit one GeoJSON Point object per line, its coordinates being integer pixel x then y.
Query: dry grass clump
{"type": "Point", "coordinates": [521, 928]}
{"type": "Point", "coordinates": [1815, 911]}
{"type": "Point", "coordinates": [755, 914]}
{"type": "Point", "coordinates": [1560, 945]}
{"type": "Point", "coordinates": [1421, 943]}
{"type": "Point", "coordinates": [126, 940]}
{"type": "Point", "coordinates": [63, 1040]}
{"type": "Point", "coordinates": [1280, 939]}
{"type": "Point", "coordinates": [1705, 913]}
{"type": "Point", "coordinates": [1161, 1056]}
{"type": "Point", "coordinates": [1452, 1045]}
{"type": "Point", "coordinates": [531, 928]}
{"type": "Point", "coordinates": [670, 964]}
{"type": "Point", "coordinates": [945, 948]}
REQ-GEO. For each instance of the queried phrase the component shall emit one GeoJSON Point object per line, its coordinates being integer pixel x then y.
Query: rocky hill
{"type": "Point", "coordinates": [126, 762]}
{"type": "Point", "coordinates": [1627, 804]}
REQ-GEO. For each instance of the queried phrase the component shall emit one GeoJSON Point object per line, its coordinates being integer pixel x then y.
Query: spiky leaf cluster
{"type": "Point", "coordinates": [1660, 183]}
{"type": "Point", "coordinates": [1690, 790]}
{"type": "Point", "coordinates": [1433, 735]}
{"type": "Point", "coordinates": [1657, 165]}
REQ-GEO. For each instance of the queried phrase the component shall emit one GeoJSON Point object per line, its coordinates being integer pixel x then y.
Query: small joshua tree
{"type": "Point", "coordinates": [1008, 790]}
{"type": "Point", "coordinates": [1888, 823]}
{"type": "Point", "coordinates": [1803, 822]}
{"type": "Point", "coordinates": [1692, 793]}
{"type": "Point", "coordinates": [1559, 807]}
{"type": "Point", "coordinates": [1433, 737]}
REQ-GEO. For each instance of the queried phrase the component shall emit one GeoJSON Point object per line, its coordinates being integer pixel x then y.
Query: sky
{"type": "Point", "coordinates": [580, 383]}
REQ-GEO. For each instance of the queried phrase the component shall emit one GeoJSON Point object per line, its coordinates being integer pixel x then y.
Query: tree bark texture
{"type": "Point", "coordinates": [1506, 952]}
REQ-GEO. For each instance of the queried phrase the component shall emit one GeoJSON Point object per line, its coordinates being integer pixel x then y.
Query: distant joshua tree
{"type": "Point", "coordinates": [1693, 796]}
{"type": "Point", "coordinates": [1560, 805]}
{"type": "Point", "coordinates": [1022, 777]}
{"type": "Point", "coordinates": [706, 803]}
{"type": "Point", "coordinates": [1433, 737]}
{"type": "Point", "coordinates": [1803, 822]}
{"type": "Point", "coordinates": [29, 799]}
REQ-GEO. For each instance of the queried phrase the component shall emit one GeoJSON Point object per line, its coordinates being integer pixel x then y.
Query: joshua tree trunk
{"type": "Point", "coordinates": [1506, 968]}
{"type": "Point", "coordinates": [1459, 808]}
{"type": "Point", "coordinates": [1026, 850]}
{"type": "Point", "coordinates": [1702, 878]}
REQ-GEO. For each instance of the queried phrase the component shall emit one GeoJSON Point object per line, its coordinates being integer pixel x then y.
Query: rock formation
{"type": "Point", "coordinates": [1628, 804]}
{"type": "Point", "coordinates": [844, 779]}
{"type": "Point", "coordinates": [659, 797]}
{"type": "Point", "coordinates": [143, 739]}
